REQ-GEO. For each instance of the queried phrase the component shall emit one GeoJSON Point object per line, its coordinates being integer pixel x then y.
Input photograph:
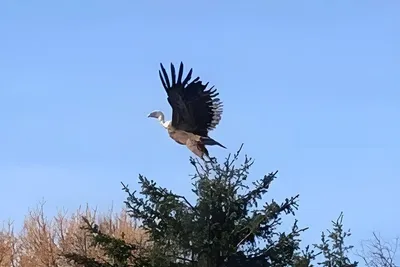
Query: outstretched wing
{"type": "Point", "coordinates": [195, 108]}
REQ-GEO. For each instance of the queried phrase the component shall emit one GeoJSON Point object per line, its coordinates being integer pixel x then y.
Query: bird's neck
{"type": "Point", "coordinates": [164, 123]}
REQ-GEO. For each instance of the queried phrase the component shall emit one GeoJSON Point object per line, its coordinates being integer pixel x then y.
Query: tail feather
{"type": "Point", "coordinates": [210, 142]}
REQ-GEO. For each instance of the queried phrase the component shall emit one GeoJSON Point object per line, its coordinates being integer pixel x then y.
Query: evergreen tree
{"type": "Point", "coordinates": [225, 227]}
{"type": "Point", "coordinates": [333, 247]}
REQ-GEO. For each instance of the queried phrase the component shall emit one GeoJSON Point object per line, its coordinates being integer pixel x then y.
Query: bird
{"type": "Point", "coordinates": [196, 110]}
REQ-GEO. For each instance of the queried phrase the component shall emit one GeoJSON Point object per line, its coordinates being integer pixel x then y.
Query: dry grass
{"type": "Point", "coordinates": [42, 240]}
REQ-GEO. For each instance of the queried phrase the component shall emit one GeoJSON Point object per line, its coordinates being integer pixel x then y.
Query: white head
{"type": "Point", "coordinates": [160, 116]}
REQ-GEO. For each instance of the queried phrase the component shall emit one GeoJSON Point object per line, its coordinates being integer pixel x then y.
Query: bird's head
{"type": "Point", "coordinates": [156, 114]}
{"type": "Point", "coordinates": [160, 117]}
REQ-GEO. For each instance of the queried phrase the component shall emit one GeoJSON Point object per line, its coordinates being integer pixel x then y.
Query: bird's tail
{"type": "Point", "coordinates": [208, 141]}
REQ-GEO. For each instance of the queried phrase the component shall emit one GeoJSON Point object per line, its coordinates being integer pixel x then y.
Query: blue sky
{"type": "Point", "coordinates": [310, 87]}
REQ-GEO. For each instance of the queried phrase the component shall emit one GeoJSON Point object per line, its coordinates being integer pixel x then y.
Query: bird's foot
{"type": "Point", "coordinates": [210, 160]}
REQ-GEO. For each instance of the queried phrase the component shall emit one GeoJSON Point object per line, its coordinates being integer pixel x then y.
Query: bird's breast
{"type": "Point", "coordinates": [180, 137]}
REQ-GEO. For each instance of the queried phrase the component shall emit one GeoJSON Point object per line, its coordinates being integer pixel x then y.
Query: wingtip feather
{"type": "Point", "coordinates": [180, 74]}
{"type": "Point", "coordinates": [173, 74]}
{"type": "Point", "coordinates": [164, 72]}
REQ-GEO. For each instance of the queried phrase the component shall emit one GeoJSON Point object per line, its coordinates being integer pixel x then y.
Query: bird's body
{"type": "Point", "coordinates": [195, 111]}
{"type": "Point", "coordinates": [195, 143]}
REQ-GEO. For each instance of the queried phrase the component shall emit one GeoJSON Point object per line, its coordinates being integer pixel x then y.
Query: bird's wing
{"type": "Point", "coordinates": [195, 108]}
{"type": "Point", "coordinates": [206, 107]}
{"type": "Point", "coordinates": [181, 114]}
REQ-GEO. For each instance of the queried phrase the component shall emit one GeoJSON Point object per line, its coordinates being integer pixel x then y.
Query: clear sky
{"type": "Point", "coordinates": [310, 87]}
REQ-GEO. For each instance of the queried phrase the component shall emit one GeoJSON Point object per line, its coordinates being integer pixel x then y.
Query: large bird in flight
{"type": "Point", "coordinates": [196, 110]}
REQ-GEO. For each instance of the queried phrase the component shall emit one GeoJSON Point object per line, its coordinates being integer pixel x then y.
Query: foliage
{"type": "Point", "coordinates": [229, 224]}
{"type": "Point", "coordinates": [225, 227]}
{"type": "Point", "coordinates": [117, 251]}
{"type": "Point", "coordinates": [333, 248]}
{"type": "Point", "coordinates": [42, 241]}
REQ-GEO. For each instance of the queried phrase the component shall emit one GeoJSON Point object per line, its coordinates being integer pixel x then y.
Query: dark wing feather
{"type": "Point", "coordinates": [195, 108]}
{"type": "Point", "coordinates": [175, 94]}
{"type": "Point", "coordinates": [207, 108]}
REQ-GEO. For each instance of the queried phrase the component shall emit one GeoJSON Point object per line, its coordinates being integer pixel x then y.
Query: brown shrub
{"type": "Point", "coordinates": [41, 241]}
{"type": "Point", "coordinates": [8, 246]}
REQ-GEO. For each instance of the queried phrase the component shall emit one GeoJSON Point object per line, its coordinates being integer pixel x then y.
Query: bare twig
{"type": "Point", "coordinates": [378, 252]}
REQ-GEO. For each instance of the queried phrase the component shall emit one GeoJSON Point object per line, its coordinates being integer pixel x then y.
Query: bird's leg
{"type": "Point", "coordinates": [213, 159]}
{"type": "Point", "coordinates": [203, 158]}
{"type": "Point", "coordinates": [210, 159]}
